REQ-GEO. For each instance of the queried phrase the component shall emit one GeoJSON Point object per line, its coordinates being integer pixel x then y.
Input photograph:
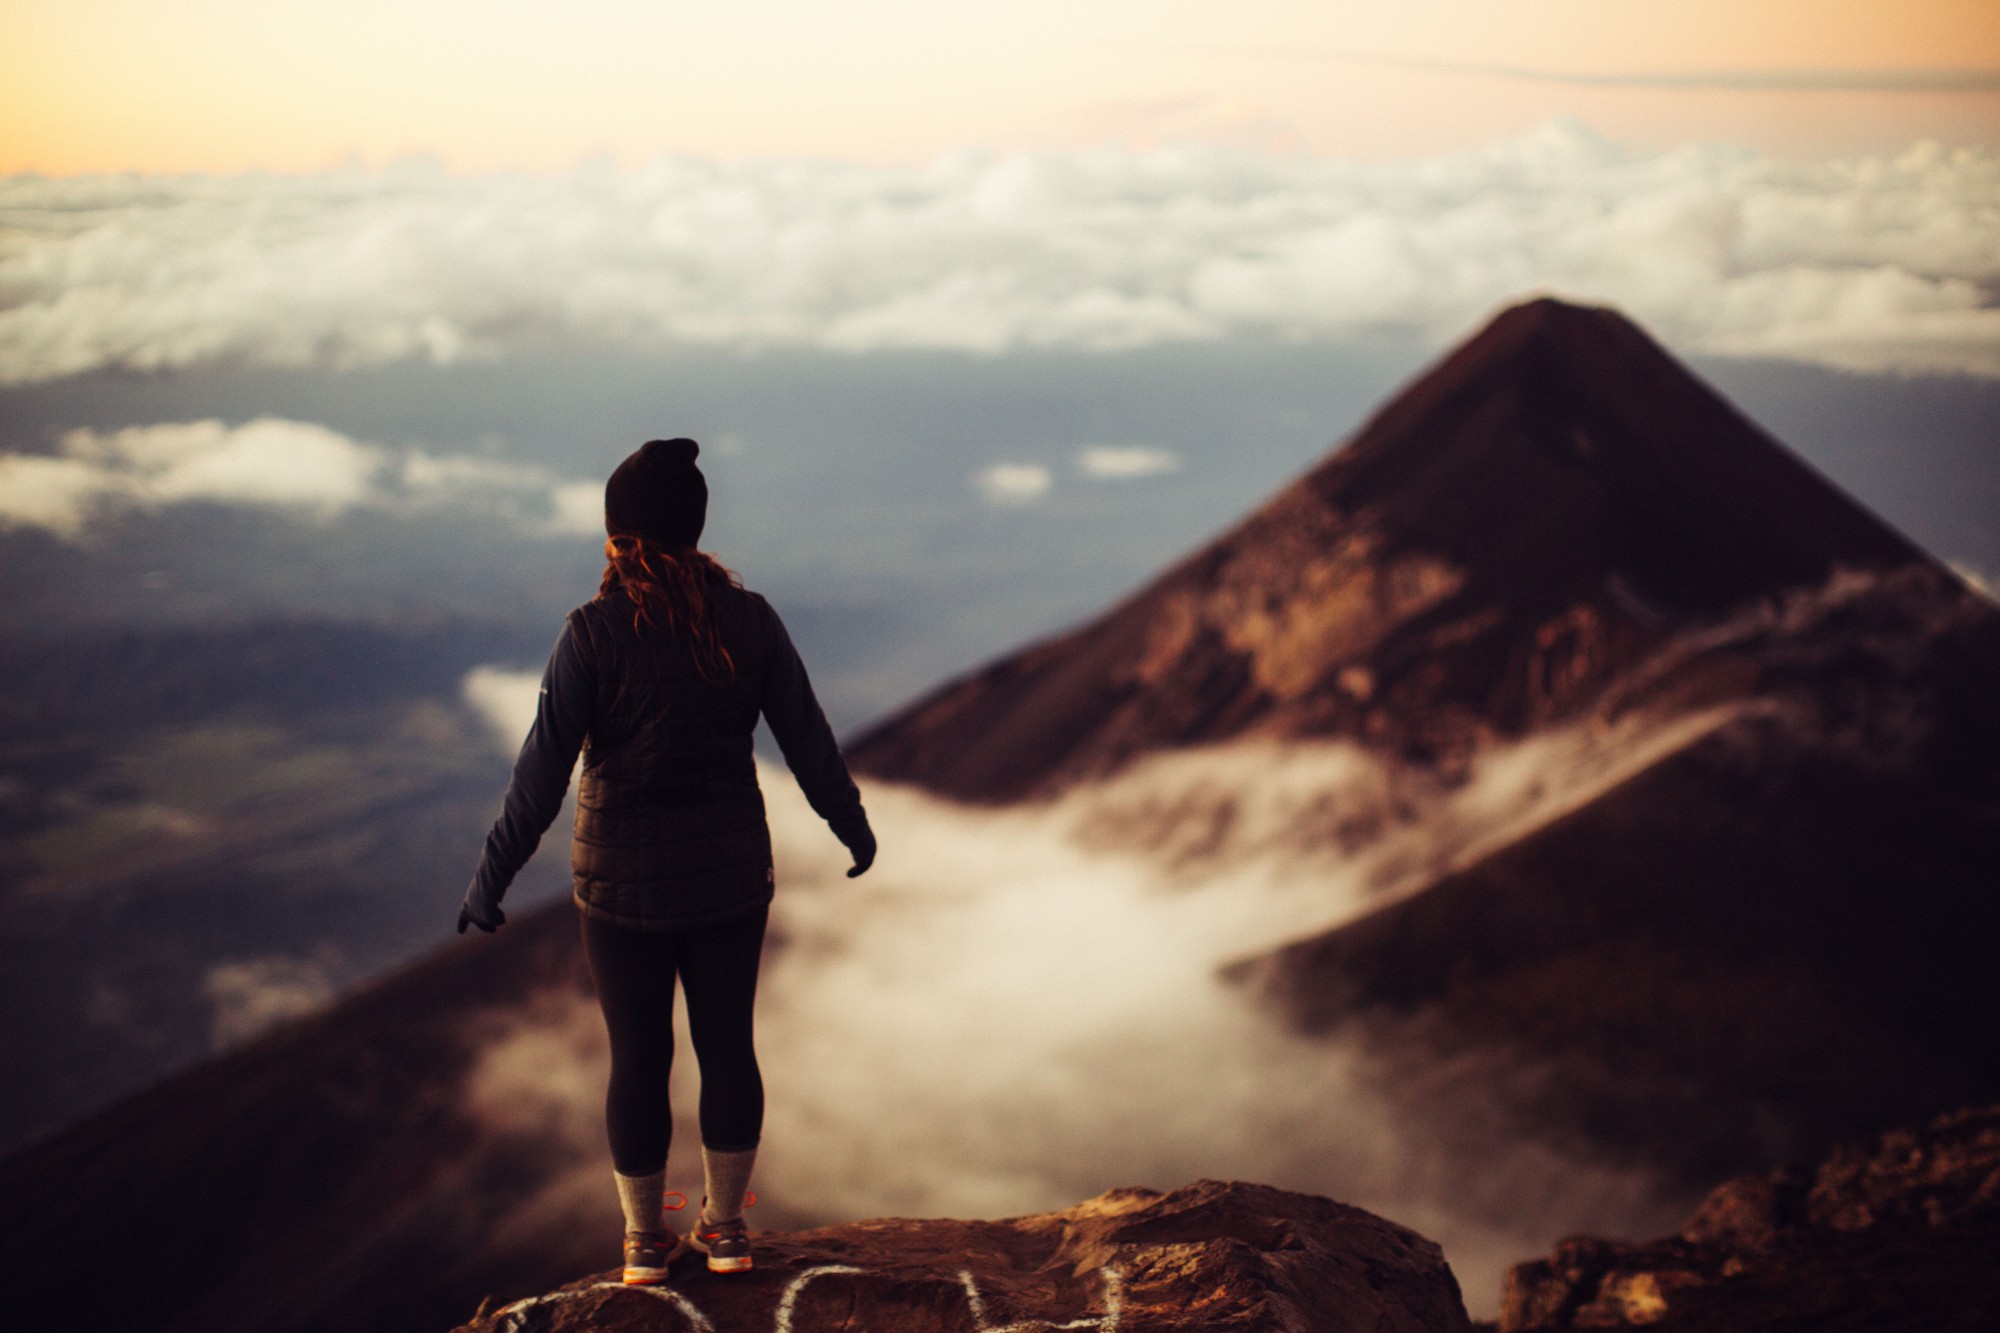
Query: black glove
{"type": "Point", "coordinates": [478, 910]}
{"type": "Point", "coordinates": [860, 840]}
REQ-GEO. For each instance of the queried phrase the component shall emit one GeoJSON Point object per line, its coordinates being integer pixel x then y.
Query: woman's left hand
{"type": "Point", "coordinates": [860, 840]}
{"type": "Point", "coordinates": [477, 911]}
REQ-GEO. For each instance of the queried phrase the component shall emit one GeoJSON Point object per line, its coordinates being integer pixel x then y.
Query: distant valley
{"type": "Point", "coordinates": [210, 831]}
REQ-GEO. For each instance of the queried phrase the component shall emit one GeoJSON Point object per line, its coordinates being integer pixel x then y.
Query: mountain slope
{"type": "Point", "coordinates": [332, 1175]}
{"type": "Point", "coordinates": [1748, 947]}
{"type": "Point", "coordinates": [1765, 943]}
{"type": "Point", "coordinates": [1545, 507]}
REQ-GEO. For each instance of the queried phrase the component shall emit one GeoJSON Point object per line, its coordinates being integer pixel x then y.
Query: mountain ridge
{"type": "Point", "coordinates": [1822, 861]}
{"type": "Point", "coordinates": [1520, 523]}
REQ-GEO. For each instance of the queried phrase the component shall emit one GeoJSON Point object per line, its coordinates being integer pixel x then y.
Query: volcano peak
{"type": "Point", "coordinates": [1540, 509]}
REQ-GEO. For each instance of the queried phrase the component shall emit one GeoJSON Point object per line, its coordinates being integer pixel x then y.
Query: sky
{"type": "Point", "coordinates": [301, 85]}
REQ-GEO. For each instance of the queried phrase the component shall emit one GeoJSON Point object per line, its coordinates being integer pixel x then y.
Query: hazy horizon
{"type": "Point", "coordinates": [912, 513]}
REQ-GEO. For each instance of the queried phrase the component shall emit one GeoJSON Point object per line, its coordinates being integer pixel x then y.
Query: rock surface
{"type": "Point", "coordinates": [1213, 1255]}
{"type": "Point", "coordinates": [1901, 1233]}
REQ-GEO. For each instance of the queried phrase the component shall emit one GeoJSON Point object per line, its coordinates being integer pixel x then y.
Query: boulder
{"type": "Point", "coordinates": [1210, 1256]}
{"type": "Point", "coordinates": [1897, 1233]}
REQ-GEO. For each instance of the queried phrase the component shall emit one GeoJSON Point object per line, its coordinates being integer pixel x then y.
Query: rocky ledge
{"type": "Point", "coordinates": [1213, 1255]}
{"type": "Point", "coordinates": [1901, 1233]}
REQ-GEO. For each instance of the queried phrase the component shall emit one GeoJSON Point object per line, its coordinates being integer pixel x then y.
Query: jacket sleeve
{"type": "Point", "coordinates": [807, 741]}
{"type": "Point", "coordinates": [541, 772]}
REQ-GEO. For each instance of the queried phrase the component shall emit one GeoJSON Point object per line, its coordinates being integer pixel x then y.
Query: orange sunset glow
{"type": "Point", "coordinates": [228, 85]}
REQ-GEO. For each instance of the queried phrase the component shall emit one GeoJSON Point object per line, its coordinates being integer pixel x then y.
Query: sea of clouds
{"type": "Point", "coordinates": [1870, 263]}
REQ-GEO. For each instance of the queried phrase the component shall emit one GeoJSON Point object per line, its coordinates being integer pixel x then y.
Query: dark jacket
{"type": "Point", "coordinates": [670, 827]}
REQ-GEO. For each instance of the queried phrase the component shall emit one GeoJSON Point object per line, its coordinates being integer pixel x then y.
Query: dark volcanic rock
{"type": "Point", "coordinates": [1772, 941]}
{"type": "Point", "coordinates": [1898, 1234]}
{"type": "Point", "coordinates": [1538, 512]}
{"type": "Point", "coordinates": [1209, 1256]}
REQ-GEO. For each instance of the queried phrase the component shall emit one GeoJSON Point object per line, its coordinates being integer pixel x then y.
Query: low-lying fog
{"type": "Point", "coordinates": [1017, 1009]}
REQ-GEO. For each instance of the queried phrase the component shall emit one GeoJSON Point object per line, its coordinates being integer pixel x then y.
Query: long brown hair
{"type": "Point", "coordinates": [670, 588]}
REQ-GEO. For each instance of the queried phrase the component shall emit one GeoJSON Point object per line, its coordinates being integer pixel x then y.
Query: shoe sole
{"type": "Point", "coordinates": [651, 1277]}
{"type": "Point", "coordinates": [728, 1263]}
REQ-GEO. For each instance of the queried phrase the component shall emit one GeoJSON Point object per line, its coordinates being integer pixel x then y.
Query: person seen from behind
{"type": "Point", "coordinates": [659, 681]}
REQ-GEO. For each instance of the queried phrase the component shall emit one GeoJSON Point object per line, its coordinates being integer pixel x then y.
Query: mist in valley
{"type": "Point", "coordinates": [1017, 1008]}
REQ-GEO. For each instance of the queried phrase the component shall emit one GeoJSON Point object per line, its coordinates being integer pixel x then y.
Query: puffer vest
{"type": "Point", "coordinates": [670, 828]}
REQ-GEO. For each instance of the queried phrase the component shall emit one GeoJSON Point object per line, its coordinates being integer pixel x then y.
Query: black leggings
{"type": "Point", "coordinates": [634, 973]}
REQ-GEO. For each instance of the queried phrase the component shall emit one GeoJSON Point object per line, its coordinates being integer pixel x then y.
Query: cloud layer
{"type": "Point", "coordinates": [505, 700]}
{"type": "Point", "coordinates": [1870, 263]}
{"type": "Point", "coordinates": [1013, 483]}
{"type": "Point", "coordinates": [1019, 1008]}
{"type": "Point", "coordinates": [271, 462]}
{"type": "Point", "coordinates": [252, 995]}
{"type": "Point", "coordinates": [1116, 462]}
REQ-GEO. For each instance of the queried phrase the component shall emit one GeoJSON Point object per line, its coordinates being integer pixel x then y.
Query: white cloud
{"type": "Point", "coordinates": [249, 996]}
{"type": "Point", "coordinates": [53, 493]}
{"type": "Point", "coordinates": [506, 700]}
{"type": "Point", "coordinates": [1977, 581]}
{"type": "Point", "coordinates": [1014, 483]}
{"type": "Point", "coordinates": [422, 472]}
{"type": "Point", "coordinates": [579, 509]}
{"type": "Point", "coordinates": [1871, 263]}
{"type": "Point", "coordinates": [1118, 461]}
{"type": "Point", "coordinates": [270, 462]}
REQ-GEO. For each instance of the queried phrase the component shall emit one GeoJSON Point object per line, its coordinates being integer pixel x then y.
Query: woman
{"type": "Point", "coordinates": [659, 681]}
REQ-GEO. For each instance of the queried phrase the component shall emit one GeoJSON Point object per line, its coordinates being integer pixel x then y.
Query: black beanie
{"type": "Point", "coordinates": [659, 494]}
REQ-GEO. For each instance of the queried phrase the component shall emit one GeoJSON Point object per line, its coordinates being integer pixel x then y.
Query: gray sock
{"type": "Point", "coordinates": [726, 1177]}
{"type": "Point", "coordinates": [644, 1200]}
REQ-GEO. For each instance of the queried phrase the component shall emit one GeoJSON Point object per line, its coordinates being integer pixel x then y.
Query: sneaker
{"type": "Point", "coordinates": [727, 1245]}
{"type": "Point", "coordinates": [647, 1254]}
